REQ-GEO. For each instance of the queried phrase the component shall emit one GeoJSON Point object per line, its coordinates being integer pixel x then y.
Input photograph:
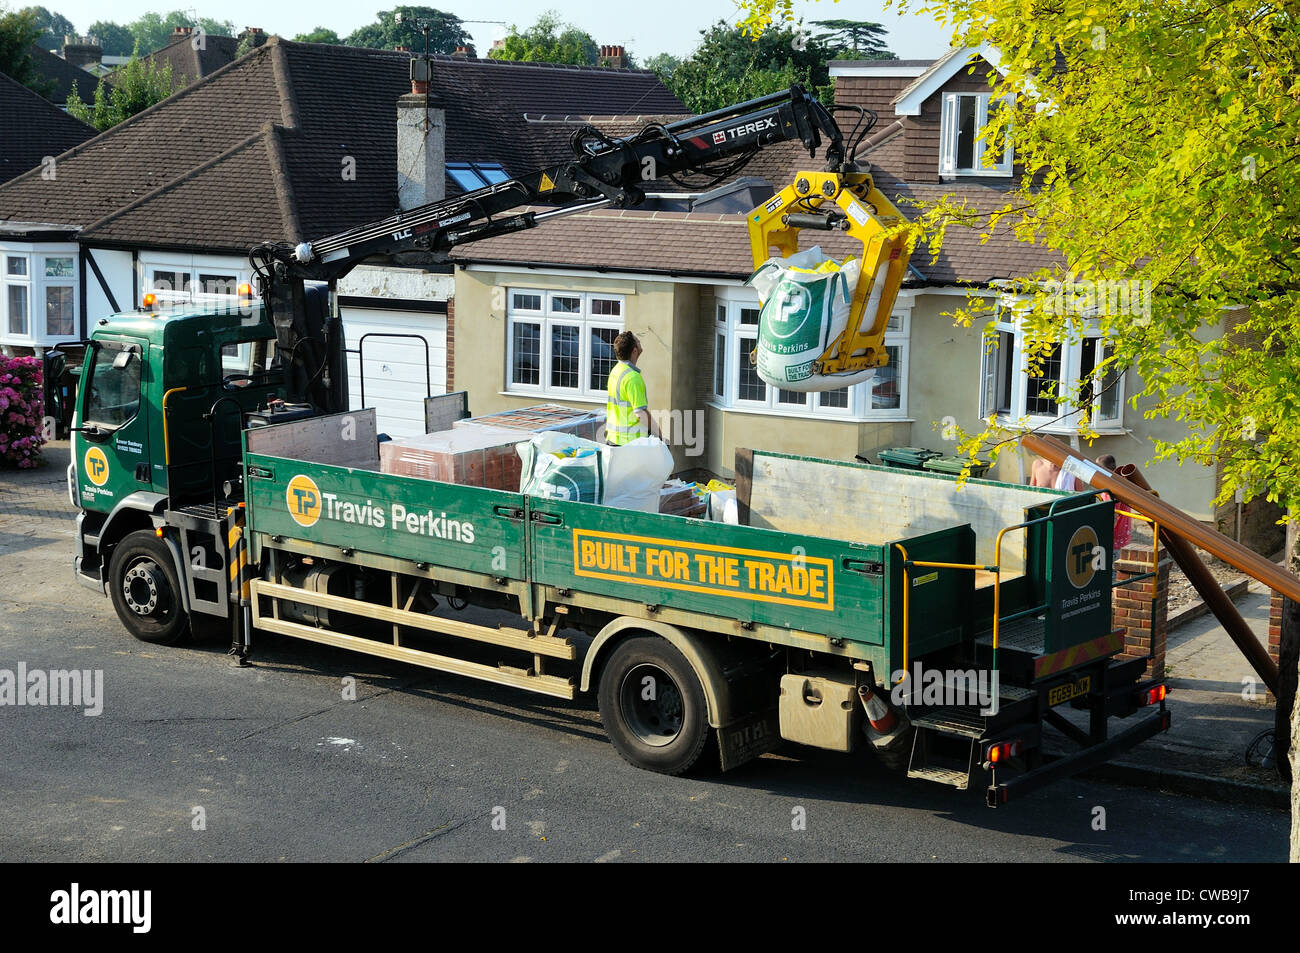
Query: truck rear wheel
{"type": "Point", "coordinates": [653, 707]}
{"type": "Point", "coordinates": [145, 590]}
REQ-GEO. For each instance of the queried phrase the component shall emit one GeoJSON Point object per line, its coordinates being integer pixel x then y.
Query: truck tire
{"type": "Point", "coordinates": [652, 706]}
{"type": "Point", "coordinates": [145, 590]}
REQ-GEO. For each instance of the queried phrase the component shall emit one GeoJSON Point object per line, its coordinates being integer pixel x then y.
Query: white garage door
{"type": "Point", "coordinates": [395, 383]}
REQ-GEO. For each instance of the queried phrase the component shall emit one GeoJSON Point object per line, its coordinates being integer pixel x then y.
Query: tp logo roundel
{"type": "Point", "coordinates": [96, 466]}
{"type": "Point", "coordinates": [303, 497]}
{"type": "Point", "coordinates": [1079, 556]}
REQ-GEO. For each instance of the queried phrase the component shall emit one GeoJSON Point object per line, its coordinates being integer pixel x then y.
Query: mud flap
{"type": "Point", "coordinates": [748, 737]}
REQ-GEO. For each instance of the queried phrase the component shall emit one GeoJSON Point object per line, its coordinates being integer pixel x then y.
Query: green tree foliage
{"type": "Point", "coordinates": [114, 39]}
{"type": "Point", "coordinates": [1167, 160]}
{"type": "Point", "coordinates": [548, 41]}
{"type": "Point", "coordinates": [153, 31]}
{"type": "Point", "coordinates": [730, 66]}
{"type": "Point", "coordinates": [18, 31]}
{"type": "Point", "coordinates": [323, 35]}
{"type": "Point", "coordinates": [861, 38]}
{"type": "Point", "coordinates": [390, 30]}
{"type": "Point", "coordinates": [1161, 142]}
{"type": "Point", "coordinates": [663, 65]}
{"type": "Point", "coordinates": [54, 27]}
{"type": "Point", "coordinates": [137, 85]}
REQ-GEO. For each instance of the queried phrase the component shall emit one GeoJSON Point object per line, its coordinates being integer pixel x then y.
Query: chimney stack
{"type": "Point", "coordinates": [421, 142]}
{"type": "Point", "coordinates": [84, 52]}
{"type": "Point", "coordinates": [182, 31]}
{"type": "Point", "coordinates": [254, 34]}
{"type": "Point", "coordinates": [465, 53]}
{"type": "Point", "coordinates": [615, 56]}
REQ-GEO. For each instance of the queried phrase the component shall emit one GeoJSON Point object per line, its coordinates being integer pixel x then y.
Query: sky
{"type": "Point", "coordinates": [664, 26]}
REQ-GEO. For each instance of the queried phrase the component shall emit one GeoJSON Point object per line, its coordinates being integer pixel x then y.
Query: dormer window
{"type": "Point", "coordinates": [476, 175]}
{"type": "Point", "coordinates": [962, 146]}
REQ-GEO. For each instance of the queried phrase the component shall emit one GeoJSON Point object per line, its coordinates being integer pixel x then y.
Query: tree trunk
{"type": "Point", "coordinates": [1287, 725]}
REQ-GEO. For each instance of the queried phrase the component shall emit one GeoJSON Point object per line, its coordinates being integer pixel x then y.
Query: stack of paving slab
{"type": "Point", "coordinates": [480, 451]}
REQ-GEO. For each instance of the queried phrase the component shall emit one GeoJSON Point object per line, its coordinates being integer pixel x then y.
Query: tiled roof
{"type": "Point", "coordinates": [63, 75]}
{"type": "Point", "coordinates": [189, 64]}
{"type": "Point", "coordinates": [675, 243]}
{"type": "Point", "coordinates": [694, 244]}
{"type": "Point", "coordinates": [257, 150]}
{"type": "Point", "coordinates": [32, 128]}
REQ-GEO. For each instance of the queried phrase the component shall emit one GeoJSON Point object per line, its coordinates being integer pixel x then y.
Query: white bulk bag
{"type": "Point", "coordinates": [805, 301]}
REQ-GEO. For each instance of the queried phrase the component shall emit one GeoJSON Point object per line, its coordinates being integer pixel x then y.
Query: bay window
{"type": "Point", "coordinates": [39, 293]}
{"type": "Point", "coordinates": [1052, 386]}
{"type": "Point", "coordinates": [736, 384]}
{"type": "Point", "coordinates": [561, 343]}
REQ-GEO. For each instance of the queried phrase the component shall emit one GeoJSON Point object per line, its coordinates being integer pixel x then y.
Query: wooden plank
{"type": "Point", "coordinates": [442, 411]}
{"type": "Point", "coordinates": [348, 439]}
{"type": "Point", "coordinates": [513, 639]}
{"type": "Point", "coordinates": [744, 483]}
{"type": "Point", "coordinates": [877, 505]}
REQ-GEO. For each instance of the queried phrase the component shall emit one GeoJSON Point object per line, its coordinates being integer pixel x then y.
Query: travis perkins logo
{"type": "Point", "coordinates": [1084, 557]}
{"type": "Point", "coordinates": [307, 504]}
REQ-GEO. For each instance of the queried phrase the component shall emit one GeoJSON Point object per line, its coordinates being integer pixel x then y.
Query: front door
{"type": "Point", "coordinates": [112, 446]}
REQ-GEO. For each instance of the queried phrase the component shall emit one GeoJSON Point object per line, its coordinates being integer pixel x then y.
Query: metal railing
{"type": "Point", "coordinates": [996, 569]}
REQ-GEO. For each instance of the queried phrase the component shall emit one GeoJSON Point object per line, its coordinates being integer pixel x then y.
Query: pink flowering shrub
{"type": "Point", "coordinates": [21, 410]}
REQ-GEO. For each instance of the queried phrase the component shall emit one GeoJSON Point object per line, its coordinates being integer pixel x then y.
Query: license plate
{"type": "Point", "coordinates": [1063, 693]}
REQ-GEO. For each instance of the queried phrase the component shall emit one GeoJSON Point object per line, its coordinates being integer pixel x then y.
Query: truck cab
{"type": "Point", "coordinates": [164, 395]}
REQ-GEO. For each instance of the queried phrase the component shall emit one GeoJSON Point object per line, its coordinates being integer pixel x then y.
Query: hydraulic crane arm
{"type": "Point", "coordinates": [603, 171]}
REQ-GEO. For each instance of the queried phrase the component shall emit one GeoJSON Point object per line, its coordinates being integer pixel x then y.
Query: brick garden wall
{"type": "Point", "coordinates": [1141, 610]}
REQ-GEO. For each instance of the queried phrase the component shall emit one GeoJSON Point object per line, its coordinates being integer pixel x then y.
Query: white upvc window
{"type": "Point", "coordinates": [736, 384]}
{"type": "Point", "coordinates": [18, 296]}
{"type": "Point", "coordinates": [561, 343]}
{"type": "Point", "coordinates": [1048, 395]}
{"type": "Point", "coordinates": [962, 143]}
{"type": "Point", "coordinates": [177, 281]}
{"type": "Point", "coordinates": [39, 292]}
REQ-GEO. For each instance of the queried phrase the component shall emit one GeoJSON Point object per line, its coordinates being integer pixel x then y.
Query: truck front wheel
{"type": "Point", "coordinates": [145, 591]}
{"type": "Point", "coordinates": [652, 706]}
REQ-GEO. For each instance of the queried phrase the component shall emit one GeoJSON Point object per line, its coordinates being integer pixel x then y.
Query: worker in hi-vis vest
{"type": "Point", "coordinates": [627, 412]}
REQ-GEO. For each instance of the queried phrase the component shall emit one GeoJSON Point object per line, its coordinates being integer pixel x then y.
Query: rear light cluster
{"type": "Point", "coordinates": [1151, 696]}
{"type": "Point", "coordinates": [1003, 751]}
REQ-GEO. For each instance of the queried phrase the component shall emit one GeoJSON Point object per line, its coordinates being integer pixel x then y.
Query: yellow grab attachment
{"type": "Point", "coordinates": [849, 202]}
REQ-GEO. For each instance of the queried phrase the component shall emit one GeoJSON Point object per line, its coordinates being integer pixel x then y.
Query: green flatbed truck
{"type": "Point", "coordinates": [201, 497]}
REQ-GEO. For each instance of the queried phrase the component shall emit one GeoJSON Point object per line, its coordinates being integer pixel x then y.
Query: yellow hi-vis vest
{"type": "Point", "coordinates": [626, 390]}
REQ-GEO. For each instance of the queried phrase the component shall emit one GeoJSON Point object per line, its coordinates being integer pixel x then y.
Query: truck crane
{"type": "Point", "coordinates": [221, 476]}
{"type": "Point", "coordinates": [605, 172]}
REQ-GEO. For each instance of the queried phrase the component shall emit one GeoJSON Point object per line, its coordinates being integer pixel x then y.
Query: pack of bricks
{"type": "Point", "coordinates": [475, 456]}
{"type": "Point", "coordinates": [536, 419]}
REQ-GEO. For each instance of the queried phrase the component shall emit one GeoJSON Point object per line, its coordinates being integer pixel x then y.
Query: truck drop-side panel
{"type": "Point", "coordinates": [808, 583]}
{"type": "Point", "coordinates": [441, 524]}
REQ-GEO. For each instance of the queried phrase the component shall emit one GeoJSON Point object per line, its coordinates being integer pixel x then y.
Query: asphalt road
{"type": "Point", "coordinates": [423, 766]}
